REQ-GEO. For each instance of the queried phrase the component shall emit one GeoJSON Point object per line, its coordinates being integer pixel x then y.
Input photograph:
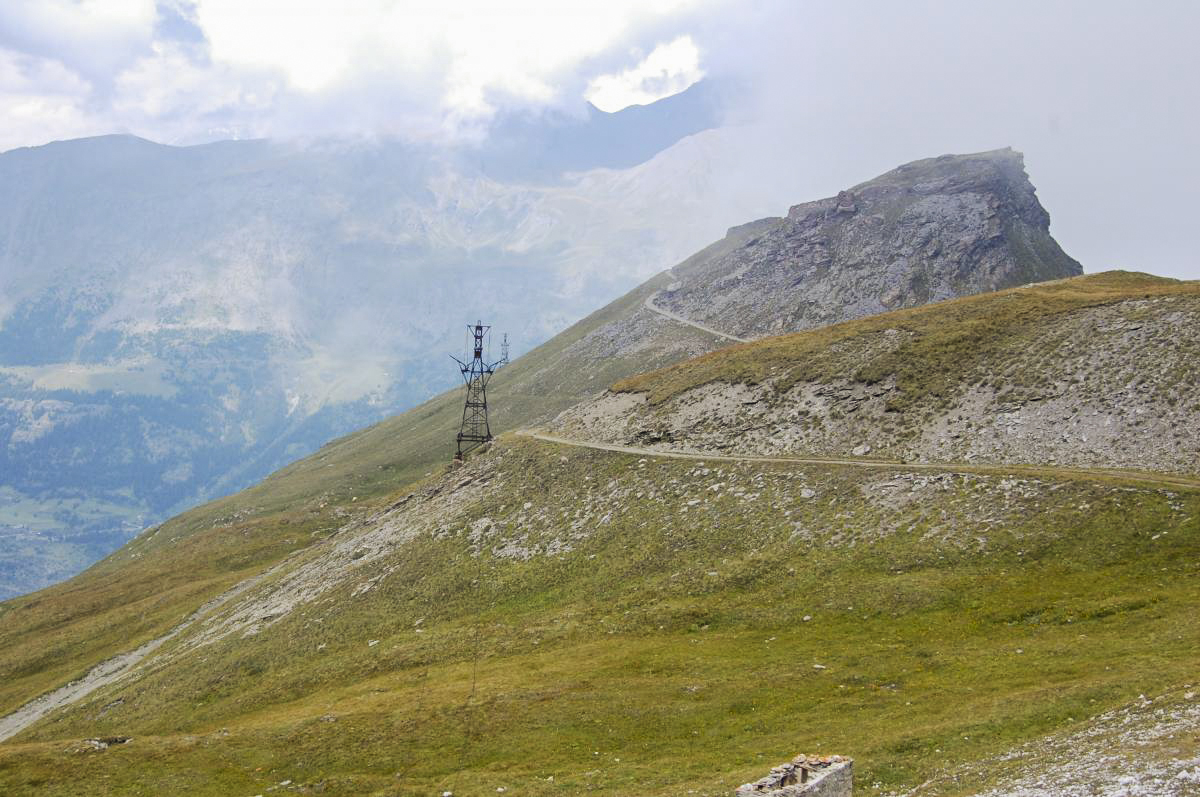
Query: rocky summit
{"type": "Point", "coordinates": [934, 229]}
{"type": "Point", "coordinates": [929, 230]}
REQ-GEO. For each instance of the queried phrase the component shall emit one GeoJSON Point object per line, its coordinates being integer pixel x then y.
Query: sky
{"type": "Point", "coordinates": [1100, 95]}
{"type": "Point", "coordinates": [187, 71]}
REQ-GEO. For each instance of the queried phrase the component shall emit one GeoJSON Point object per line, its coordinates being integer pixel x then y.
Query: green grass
{"type": "Point", "coordinates": [626, 647]}
{"type": "Point", "coordinates": [938, 648]}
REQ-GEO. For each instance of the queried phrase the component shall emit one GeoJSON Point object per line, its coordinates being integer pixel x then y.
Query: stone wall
{"type": "Point", "coordinates": [805, 776]}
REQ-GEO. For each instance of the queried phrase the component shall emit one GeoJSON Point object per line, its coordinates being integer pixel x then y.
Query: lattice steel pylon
{"type": "Point", "coordinates": [503, 351]}
{"type": "Point", "coordinates": [475, 430]}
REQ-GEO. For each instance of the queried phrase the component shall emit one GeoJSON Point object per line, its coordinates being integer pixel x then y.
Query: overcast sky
{"type": "Point", "coordinates": [1100, 96]}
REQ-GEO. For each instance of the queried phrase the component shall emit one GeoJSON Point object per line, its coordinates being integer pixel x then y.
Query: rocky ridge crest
{"type": "Point", "coordinates": [933, 229]}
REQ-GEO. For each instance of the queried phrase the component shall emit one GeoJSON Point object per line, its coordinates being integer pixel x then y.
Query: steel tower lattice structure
{"type": "Point", "coordinates": [475, 430]}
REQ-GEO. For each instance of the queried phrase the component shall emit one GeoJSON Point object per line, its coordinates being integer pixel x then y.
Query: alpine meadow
{"type": "Point", "coordinates": [795, 481]}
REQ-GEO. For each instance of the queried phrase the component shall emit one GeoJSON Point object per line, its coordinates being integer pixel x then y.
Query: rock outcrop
{"type": "Point", "coordinates": [805, 776]}
{"type": "Point", "coordinates": [930, 230]}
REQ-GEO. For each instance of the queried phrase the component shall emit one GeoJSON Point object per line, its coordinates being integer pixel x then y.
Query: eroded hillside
{"type": "Point", "coordinates": [1096, 371]}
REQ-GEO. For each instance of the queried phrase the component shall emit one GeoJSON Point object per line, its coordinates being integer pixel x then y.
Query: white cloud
{"type": "Point", "coordinates": [309, 42]}
{"type": "Point", "coordinates": [41, 100]}
{"type": "Point", "coordinates": [183, 99]}
{"type": "Point", "coordinates": [477, 47]}
{"type": "Point", "coordinates": [95, 37]}
{"type": "Point", "coordinates": [668, 69]}
{"type": "Point", "coordinates": [184, 71]}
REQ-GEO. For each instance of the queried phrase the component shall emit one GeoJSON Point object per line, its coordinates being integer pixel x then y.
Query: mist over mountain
{"type": "Point", "coordinates": [525, 145]}
{"type": "Point", "coordinates": [177, 322]}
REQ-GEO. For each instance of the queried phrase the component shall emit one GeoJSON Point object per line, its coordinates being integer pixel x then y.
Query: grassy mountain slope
{"type": "Point", "coordinates": [1066, 372]}
{"type": "Point", "coordinates": [54, 635]}
{"type": "Point", "coordinates": [558, 619]}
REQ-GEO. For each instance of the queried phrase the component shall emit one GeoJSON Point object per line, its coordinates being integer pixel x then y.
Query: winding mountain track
{"type": "Point", "coordinates": [654, 308]}
{"type": "Point", "coordinates": [1118, 474]}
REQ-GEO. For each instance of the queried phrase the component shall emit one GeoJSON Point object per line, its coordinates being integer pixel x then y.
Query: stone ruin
{"type": "Point", "coordinates": [805, 776]}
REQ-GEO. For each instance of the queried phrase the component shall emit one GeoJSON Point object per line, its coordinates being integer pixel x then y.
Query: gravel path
{"type": "Point", "coordinates": [107, 672]}
{"type": "Point", "coordinates": [652, 307]}
{"type": "Point", "coordinates": [1033, 470]}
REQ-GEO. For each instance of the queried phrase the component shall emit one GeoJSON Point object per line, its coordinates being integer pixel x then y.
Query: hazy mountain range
{"type": "Point", "coordinates": [177, 322]}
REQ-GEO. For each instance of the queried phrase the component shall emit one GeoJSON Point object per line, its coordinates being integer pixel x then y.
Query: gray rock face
{"type": "Point", "coordinates": [930, 230]}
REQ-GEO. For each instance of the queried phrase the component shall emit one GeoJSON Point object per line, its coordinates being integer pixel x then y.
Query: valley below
{"type": "Point", "coordinates": [178, 322]}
